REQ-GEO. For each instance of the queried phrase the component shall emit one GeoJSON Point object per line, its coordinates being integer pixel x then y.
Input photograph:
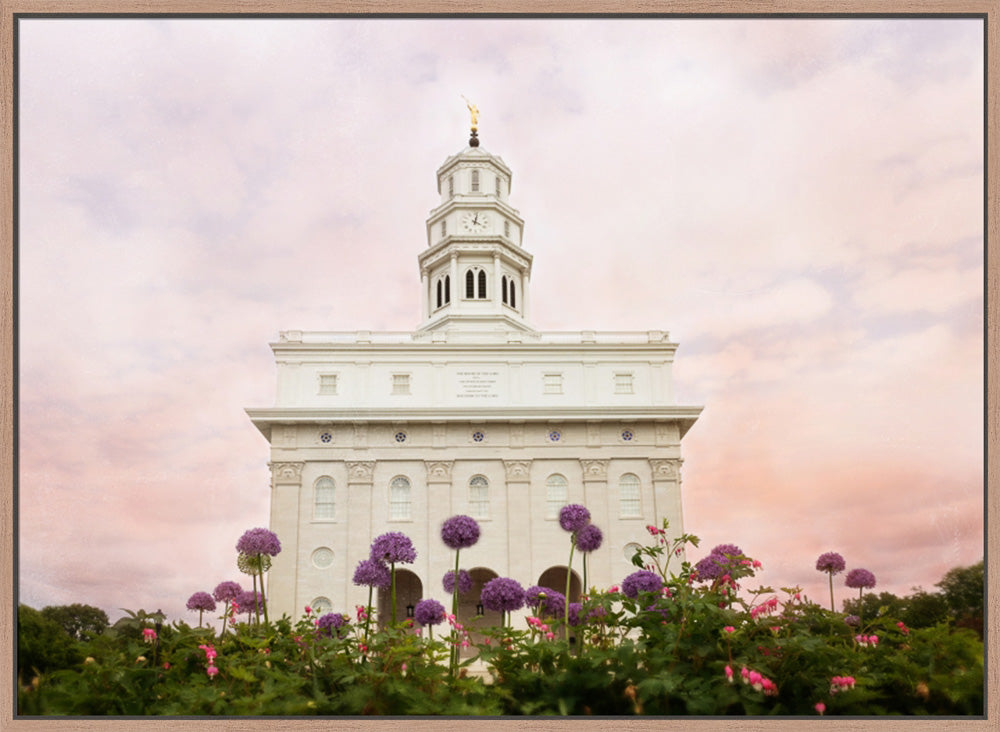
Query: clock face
{"type": "Point", "coordinates": [475, 222]}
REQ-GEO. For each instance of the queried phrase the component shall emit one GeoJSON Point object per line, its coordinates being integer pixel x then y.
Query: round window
{"type": "Point", "coordinates": [630, 550]}
{"type": "Point", "coordinates": [326, 437]}
{"type": "Point", "coordinates": [478, 436]}
{"type": "Point", "coordinates": [554, 436]}
{"type": "Point", "coordinates": [627, 435]}
{"type": "Point", "coordinates": [400, 437]}
{"type": "Point", "coordinates": [322, 557]}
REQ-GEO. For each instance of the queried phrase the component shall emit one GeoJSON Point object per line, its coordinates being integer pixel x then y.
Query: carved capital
{"type": "Point", "coordinates": [594, 469]}
{"type": "Point", "coordinates": [362, 471]}
{"type": "Point", "coordinates": [518, 471]}
{"type": "Point", "coordinates": [439, 471]}
{"type": "Point", "coordinates": [286, 473]}
{"type": "Point", "coordinates": [667, 469]}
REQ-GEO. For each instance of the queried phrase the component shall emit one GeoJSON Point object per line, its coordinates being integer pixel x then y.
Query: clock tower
{"type": "Point", "coordinates": [474, 273]}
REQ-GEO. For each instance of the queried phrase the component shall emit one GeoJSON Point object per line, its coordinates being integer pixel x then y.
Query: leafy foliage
{"type": "Point", "coordinates": [698, 646]}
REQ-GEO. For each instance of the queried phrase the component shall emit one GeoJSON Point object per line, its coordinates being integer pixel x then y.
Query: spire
{"type": "Point", "coordinates": [474, 113]}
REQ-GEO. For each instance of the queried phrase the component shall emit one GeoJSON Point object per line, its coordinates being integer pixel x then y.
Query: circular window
{"type": "Point", "coordinates": [321, 605]}
{"type": "Point", "coordinates": [478, 436]}
{"type": "Point", "coordinates": [326, 437]}
{"type": "Point", "coordinates": [322, 557]}
{"type": "Point", "coordinates": [630, 550]}
{"type": "Point", "coordinates": [627, 435]}
{"type": "Point", "coordinates": [400, 437]}
{"type": "Point", "coordinates": [554, 436]}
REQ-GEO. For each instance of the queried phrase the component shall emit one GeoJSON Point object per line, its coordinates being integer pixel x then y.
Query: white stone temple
{"type": "Point", "coordinates": [475, 412]}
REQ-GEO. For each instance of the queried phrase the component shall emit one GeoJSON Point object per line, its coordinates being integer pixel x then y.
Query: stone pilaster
{"type": "Point", "coordinates": [518, 488]}
{"type": "Point", "coordinates": [283, 580]}
{"type": "Point", "coordinates": [362, 503]}
{"type": "Point", "coordinates": [667, 492]}
{"type": "Point", "coordinates": [596, 499]}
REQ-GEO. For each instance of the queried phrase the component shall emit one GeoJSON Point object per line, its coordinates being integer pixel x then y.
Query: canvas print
{"type": "Point", "coordinates": [500, 366]}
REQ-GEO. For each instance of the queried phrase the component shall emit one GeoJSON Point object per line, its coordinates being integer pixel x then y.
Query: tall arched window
{"type": "Point", "coordinates": [629, 503]}
{"type": "Point", "coordinates": [470, 284]}
{"type": "Point", "coordinates": [323, 498]}
{"type": "Point", "coordinates": [451, 186]}
{"type": "Point", "coordinates": [479, 497]}
{"type": "Point", "coordinates": [439, 301]}
{"type": "Point", "coordinates": [399, 499]}
{"type": "Point", "coordinates": [447, 289]}
{"type": "Point", "coordinates": [503, 289]}
{"type": "Point", "coordinates": [555, 495]}
{"type": "Point", "coordinates": [475, 180]}
{"type": "Point", "coordinates": [513, 301]}
{"type": "Point", "coordinates": [482, 284]}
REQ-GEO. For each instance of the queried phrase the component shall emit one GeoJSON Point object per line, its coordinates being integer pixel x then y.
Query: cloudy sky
{"type": "Point", "coordinates": [799, 202]}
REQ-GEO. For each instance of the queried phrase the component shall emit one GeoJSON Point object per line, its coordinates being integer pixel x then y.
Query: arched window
{"type": "Point", "coordinates": [323, 495]}
{"type": "Point", "coordinates": [470, 284]}
{"type": "Point", "coordinates": [479, 497]}
{"type": "Point", "coordinates": [439, 301]}
{"type": "Point", "coordinates": [629, 502]}
{"type": "Point", "coordinates": [399, 499]}
{"type": "Point", "coordinates": [475, 180]}
{"type": "Point", "coordinates": [447, 289]}
{"type": "Point", "coordinates": [451, 186]}
{"type": "Point", "coordinates": [482, 284]}
{"type": "Point", "coordinates": [498, 185]}
{"type": "Point", "coordinates": [513, 301]}
{"type": "Point", "coordinates": [503, 289]}
{"type": "Point", "coordinates": [555, 495]}
{"type": "Point", "coordinates": [444, 227]}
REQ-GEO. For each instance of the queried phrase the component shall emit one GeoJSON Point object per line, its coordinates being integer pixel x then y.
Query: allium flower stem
{"type": "Point", "coordinates": [453, 656]}
{"type": "Point", "coordinates": [263, 600]}
{"type": "Point", "coordinates": [256, 605]}
{"type": "Point", "coordinates": [392, 572]}
{"type": "Point", "coordinates": [831, 593]}
{"type": "Point", "coordinates": [569, 576]}
{"type": "Point", "coordinates": [225, 617]}
{"type": "Point", "coordinates": [368, 619]}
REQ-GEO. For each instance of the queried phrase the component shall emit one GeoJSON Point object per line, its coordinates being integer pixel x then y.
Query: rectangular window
{"type": "Point", "coordinates": [498, 185]}
{"type": "Point", "coordinates": [553, 384]}
{"type": "Point", "coordinates": [327, 383]}
{"type": "Point", "coordinates": [475, 181]}
{"type": "Point", "coordinates": [628, 497]}
{"type": "Point", "coordinates": [444, 227]}
{"type": "Point", "coordinates": [623, 383]}
{"type": "Point", "coordinates": [400, 383]}
{"type": "Point", "coordinates": [506, 228]}
{"type": "Point", "coordinates": [451, 186]}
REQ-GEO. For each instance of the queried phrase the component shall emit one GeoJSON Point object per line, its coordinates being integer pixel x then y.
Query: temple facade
{"type": "Point", "coordinates": [475, 412]}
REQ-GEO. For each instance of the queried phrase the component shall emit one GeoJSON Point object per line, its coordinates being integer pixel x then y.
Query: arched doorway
{"type": "Point", "coordinates": [409, 590]}
{"type": "Point", "coordinates": [468, 610]}
{"type": "Point", "coordinates": [555, 579]}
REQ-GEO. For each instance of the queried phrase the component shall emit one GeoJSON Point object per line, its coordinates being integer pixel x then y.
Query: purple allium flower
{"type": "Point", "coordinates": [574, 614]}
{"type": "Point", "coordinates": [549, 601]}
{"type": "Point", "coordinates": [853, 620]}
{"type": "Point", "coordinates": [429, 612]}
{"type": "Point", "coordinates": [858, 578]}
{"type": "Point", "coordinates": [589, 538]}
{"type": "Point", "coordinates": [464, 581]}
{"type": "Point", "coordinates": [226, 591]}
{"type": "Point", "coordinates": [201, 601]}
{"type": "Point", "coordinates": [727, 550]}
{"type": "Point", "coordinates": [393, 548]}
{"type": "Point", "coordinates": [259, 541]}
{"type": "Point", "coordinates": [710, 567]}
{"type": "Point", "coordinates": [502, 594]}
{"type": "Point", "coordinates": [372, 573]}
{"type": "Point", "coordinates": [533, 595]}
{"type": "Point", "coordinates": [641, 581]}
{"type": "Point", "coordinates": [573, 517]}
{"type": "Point", "coordinates": [830, 562]}
{"type": "Point", "coordinates": [331, 621]}
{"type": "Point", "coordinates": [460, 532]}
{"type": "Point", "coordinates": [246, 601]}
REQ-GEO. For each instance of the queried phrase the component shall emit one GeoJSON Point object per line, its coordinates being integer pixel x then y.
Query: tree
{"type": "Point", "coordinates": [869, 606]}
{"type": "Point", "coordinates": [79, 621]}
{"type": "Point", "coordinates": [964, 591]}
{"type": "Point", "coordinates": [42, 644]}
{"type": "Point", "coordinates": [924, 609]}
